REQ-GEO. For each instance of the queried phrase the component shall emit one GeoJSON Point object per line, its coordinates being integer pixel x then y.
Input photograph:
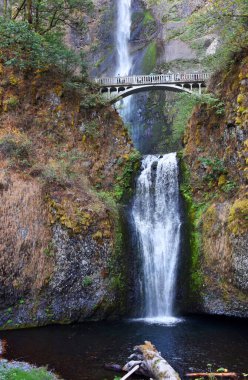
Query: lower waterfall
{"type": "Point", "coordinates": [157, 223]}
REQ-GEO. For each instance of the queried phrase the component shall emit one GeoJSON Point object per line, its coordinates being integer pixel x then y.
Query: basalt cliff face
{"type": "Point", "coordinates": [216, 149]}
{"type": "Point", "coordinates": [66, 161]}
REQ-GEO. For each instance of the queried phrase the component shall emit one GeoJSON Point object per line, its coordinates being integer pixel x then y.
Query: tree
{"type": "Point", "coordinates": [31, 33]}
{"type": "Point", "coordinates": [228, 20]}
{"type": "Point", "coordinates": [45, 15]}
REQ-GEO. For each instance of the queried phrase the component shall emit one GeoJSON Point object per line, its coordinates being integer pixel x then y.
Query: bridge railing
{"type": "Point", "coordinates": [154, 78]}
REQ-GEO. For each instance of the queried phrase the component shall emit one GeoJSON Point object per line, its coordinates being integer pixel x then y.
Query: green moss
{"type": "Point", "coordinates": [7, 373]}
{"type": "Point", "coordinates": [116, 264]}
{"type": "Point", "coordinates": [69, 215]}
{"type": "Point", "coordinates": [123, 188]}
{"type": "Point", "coordinates": [210, 218]}
{"type": "Point", "coordinates": [181, 111]}
{"type": "Point", "coordinates": [238, 217]}
{"type": "Point", "coordinates": [10, 103]}
{"type": "Point", "coordinates": [150, 58]}
{"type": "Point", "coordinates": [87, 281]}
{"type": "Point", "coordinates": [49, 250]}
{"type": "Point", "coordinates": [194, 213]}
{"type": "Point", "coordinates": [148, 18]}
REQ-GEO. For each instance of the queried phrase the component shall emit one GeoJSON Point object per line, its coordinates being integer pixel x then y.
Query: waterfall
{"type": "Point", "coordinates": [123, 31]}
{"type": "Point", "coordinates": [124, 61]}
{"type": "Point", "coordinates": [157, 222]}
{"type": "Point", "coordinates": [155, 210]}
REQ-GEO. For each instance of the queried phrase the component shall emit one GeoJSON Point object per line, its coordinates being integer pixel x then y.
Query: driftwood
{"type": "Point", "coordinates": [231, 375]}
{"type": "Point", "coordinates": [150, 362]}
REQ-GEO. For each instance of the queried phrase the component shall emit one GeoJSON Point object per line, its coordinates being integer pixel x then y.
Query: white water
{"type": "Point", "coordinates": [124, 60]}
{"type": "Point", "coordinates": [157, 220]}
{"type": "Point", "coordinates": [123, 31]}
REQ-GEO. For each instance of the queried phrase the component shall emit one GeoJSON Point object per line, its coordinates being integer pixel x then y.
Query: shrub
{"type": "Point", "coordinates": [87, 281]}
{"type": "Point", "coordinates": [10, 103]}
{"type": "Point", "coordinates": [23, 48]}
{"type": "Point", "coordinates": [16, 148]}
{"type": "Point", "coordinates": [214, 167]}
{"type": "Point", "coordinates": [92, 129]}
{"type": "Point", "coordinates": [59, 172]}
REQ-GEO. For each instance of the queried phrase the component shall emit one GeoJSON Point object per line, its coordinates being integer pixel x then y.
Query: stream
{"type": "Point", "coordinates": [78, 352]}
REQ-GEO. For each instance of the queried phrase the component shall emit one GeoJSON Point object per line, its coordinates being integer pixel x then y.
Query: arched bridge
{"type": "Point", "coordinates": [116, 88]}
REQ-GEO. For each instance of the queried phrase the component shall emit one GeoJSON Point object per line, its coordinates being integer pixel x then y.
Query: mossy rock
{"type": "Point", "coordinates": [238, 217]}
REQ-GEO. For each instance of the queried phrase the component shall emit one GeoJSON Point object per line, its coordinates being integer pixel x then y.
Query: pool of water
{"type": "Point", "coordinates": [78, 352]}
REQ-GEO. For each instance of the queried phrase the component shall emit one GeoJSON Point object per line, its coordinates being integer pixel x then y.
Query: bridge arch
{"type": "Point", "coordinates": [116, 94]}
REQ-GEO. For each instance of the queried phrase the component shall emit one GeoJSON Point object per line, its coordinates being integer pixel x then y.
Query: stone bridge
{"type": "Point", "coordinates": [116, 88]}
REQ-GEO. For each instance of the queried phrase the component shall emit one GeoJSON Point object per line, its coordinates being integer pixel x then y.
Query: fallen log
{"type": "Point", "coordinates": [119, 369]}
{"type": "Point", "coordinates": [133, 370]}
{"type": "Point", "coordinates": [151, 363]}
{"type": "Point", "coordinates": [231, 375]}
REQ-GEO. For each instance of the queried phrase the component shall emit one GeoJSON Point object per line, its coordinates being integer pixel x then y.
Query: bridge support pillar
{"type": "Point", "coordinates": [191, 86]}
{"type": "Point", "coordinates": [200, 88]}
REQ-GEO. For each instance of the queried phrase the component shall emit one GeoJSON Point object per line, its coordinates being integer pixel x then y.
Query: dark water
{"type": "Point", "coordinates": [78, 352]}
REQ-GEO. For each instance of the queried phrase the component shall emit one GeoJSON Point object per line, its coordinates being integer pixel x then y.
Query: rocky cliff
{"type": "Point", "coordinates": [215, 187]}
{"type": "Point", "coordinates": [157, 43]}
{"type": "Point", "coordinates": [66, 161]}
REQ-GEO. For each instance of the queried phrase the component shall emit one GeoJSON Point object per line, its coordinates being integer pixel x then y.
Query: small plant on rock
{"type": "Point", "coordinates": [87, 281]}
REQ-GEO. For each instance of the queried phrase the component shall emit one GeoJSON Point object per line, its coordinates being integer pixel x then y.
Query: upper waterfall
{"type": "Point", "coordinates": [123, 31]}
{"type": "Point", "coordinates": [157, 220]}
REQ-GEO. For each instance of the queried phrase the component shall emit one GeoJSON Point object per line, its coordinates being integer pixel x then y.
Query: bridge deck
{"type": "Point", "coordinates": [140, 80]}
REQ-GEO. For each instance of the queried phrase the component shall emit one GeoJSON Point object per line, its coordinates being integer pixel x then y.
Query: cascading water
{"type": "Point", "coordinates": [157, 221]}
{"type": "Point", "coordinates": [155, 210]}
{"type": "Point", "coordinates": [124, 61]}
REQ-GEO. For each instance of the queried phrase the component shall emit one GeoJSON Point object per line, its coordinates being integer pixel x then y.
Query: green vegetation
{"type": "Point", "coordinates": [92, 101]}
{"type": "Point", "coordinates": [148, 18]}
{"type": "Point", "coordinates": [91, 129]}
{"type": "Point", "coordinates": [150, 58]}
{"type": "Point", "coordinates": [194, 212]}
{"type": "Point", "coordinates": [183, 109]}
{"type": "Point", "coordinates": [49, 251]}
{"type": "Point", "coordinates": [116, 263]}
{"type": "Point", "coordinates": [227, 21]}
{"type": "Point", "coordinates": [44, 16]}
{"type": "Point", "coordinates": [238, 217]}
{"type": "Point", "coordinates": [87, 281]}
{"type": "Point", "coordinates": [229, 186]}
{"type": "Point", "coordinates": [214, 167]}
{"type": "Point", "coordinates": [149, 25]}
{"type": "Point", "coordinates": [31, 34]}
{"type": "Point", "coordinates": [59, 172]}
{"type": "Point", "coordinates": [123, 188]}
{"type": "Point", "coordinates": [17, 149]}
{"type": "Point", "coordinates": [7, 373]}
{"type": "Point", "coordinates": [23, 48]}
